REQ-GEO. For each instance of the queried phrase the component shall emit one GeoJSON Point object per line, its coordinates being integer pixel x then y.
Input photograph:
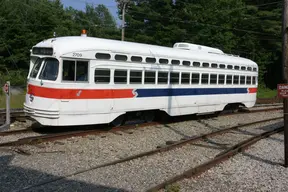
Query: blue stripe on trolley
{"type": "Point", "coordinates": [188, 91]}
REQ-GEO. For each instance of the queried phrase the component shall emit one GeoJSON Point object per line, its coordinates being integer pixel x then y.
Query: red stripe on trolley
{"type": "Point", "coordinates": [57, 93]}
{"type": "Point", "coordinates": [252, 90]}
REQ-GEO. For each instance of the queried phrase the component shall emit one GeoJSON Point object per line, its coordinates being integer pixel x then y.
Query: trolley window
{"type": "Point", "coordinates": [196, 64]}
{"type": "Point", "coordinates": [236, 67]}
{"type": "Point", "coordinates": [102, 76]}
{"type": "Point", "coordinates": [205, 79]}
{"type": "Point", "coordinates": [174, 78]}
{"type": "Point", "coordinates": [163, 61]}
{"type": "Point", "coordinates": [195, 78]}
{"type": "Point", "coordinates": [243, 68]}
{"type": "Point", "coordinates": [254, 80]}
{"type": "Point", "coordinates": [222, 66]}
{"type": "Point", "coordinates": [36, 68]}
{"type": "Point", "coordinates": [149, 77]}
{"type": "Point", "coordinates": [68, 73]}
{"type": "Point", "coordinates": [205, 64]}
{"type": "Point", "coordinates": [105, 56]}
{"type": "Point", "coordinates": [135, 77]}
{"type": "Point", "coordinates": [213, 79]}
{"type": "Point", "coordinates": [120, 76]}
{"type": "Point", "coordinates": [229, 79]}
{"type": "Point", "coordinates": [236, 80]}
{"type": "Point", "coordinates": [136, 59]}
{"type": "Point", "coordinates": [175, 62]}
{"type": "Point", "coordinates": [150, 60]}
{"type": "Point", "coordinates": [229, 67]}
{"type": "Point", "coordinates": [221, 79]}
{"type": "Point", "coordinates": [242, 80]}
{"type": "Point", "coordinates": [162, 77]}
{"type": "Point", "coordinates": [214, 65]}
{"type": "Point", "coordinates": [75, 71]}
{"type": "Point", "coordinates": [121, 57]}
{"type": "Point", "coordinates": [249, 68]}
{"type": "Point", "coordinates": [50, 69]}
{"type": "Point", "coordinates": [186, 63]}
{"type": "Point", "coordinates": [81, 71]}
{"type": "Point", "coordinates": [248, 80]}
{"type": "Point", "coordinates": [254, 69]}
{"type": "Point", "coordinates": [185, 78]}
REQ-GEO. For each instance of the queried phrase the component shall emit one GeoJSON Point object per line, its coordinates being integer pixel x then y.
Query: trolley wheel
{"type": "Point", "coordinates": [118, 121]}
{"type": "Point", "coordinates": [149, 116]}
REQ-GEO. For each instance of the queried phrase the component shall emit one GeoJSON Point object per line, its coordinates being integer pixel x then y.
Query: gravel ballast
{"type": "Point", "coordinates": [53, 160]}
{"type": "Point", "coordinates": [260, 168]}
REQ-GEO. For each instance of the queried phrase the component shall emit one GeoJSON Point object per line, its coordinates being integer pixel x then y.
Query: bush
{"type": "Point", "coordinates": [16, 78]}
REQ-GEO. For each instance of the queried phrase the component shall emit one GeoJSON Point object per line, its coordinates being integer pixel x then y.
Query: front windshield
{"type": "Point", "coordinates": [50, 69]}
{"type": "Point", "coordinates": [36, 68]}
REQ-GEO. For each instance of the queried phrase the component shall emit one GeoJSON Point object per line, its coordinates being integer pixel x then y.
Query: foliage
{"type": "Point", "coordinates": [172, 188]}
{"type": "Point", "coordinates": [16, 101]}
{"type": "Point", "coordinates": [25, 23]}
{"type": "Point", "coordinates": [243, 27]}
{"type": "Point", "coordinates": [264, 92]}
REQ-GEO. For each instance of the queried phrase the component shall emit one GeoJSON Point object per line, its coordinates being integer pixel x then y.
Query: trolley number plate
{"type": "Point", "coordinates": [77, 55]}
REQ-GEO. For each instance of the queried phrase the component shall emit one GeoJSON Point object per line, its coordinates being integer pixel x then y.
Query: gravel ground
{"type": "Point", "coordinates": [260, 168]}
{"type": "Point", "coordinates": [53, 160]}
{"type": "Point", "coordinates": [17, 126]}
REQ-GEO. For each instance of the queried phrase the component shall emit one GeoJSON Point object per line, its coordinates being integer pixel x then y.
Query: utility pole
{"type": "Point", "coordinates": [124, 3]}
{"type": "Point", "coordinates": [285, 74]}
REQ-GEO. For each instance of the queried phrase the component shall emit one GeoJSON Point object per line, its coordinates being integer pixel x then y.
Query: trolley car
{"type": "Point", "coordinates": [82, 80]}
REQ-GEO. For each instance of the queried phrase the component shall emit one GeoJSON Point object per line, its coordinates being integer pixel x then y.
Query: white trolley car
{"type": "Point", "coordinates": [84, 80]}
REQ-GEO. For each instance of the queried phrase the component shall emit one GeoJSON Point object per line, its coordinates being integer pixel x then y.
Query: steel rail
{"type": "Point", "coordinates": [20, 113]}
{"type": "Point", "coordinates": [158, 150]}
{"type": "Point", "coordinates": [217, 159]}
{"type": "Point", "coordinates": [14, 132]}
{"type": "Point", "coordinates": [59, 136]}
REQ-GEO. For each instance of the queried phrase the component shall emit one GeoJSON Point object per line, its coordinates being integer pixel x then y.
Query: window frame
{"type": "Point", "coordinates": [219, 83]}
{"type": "Point", "coordinates": [208, 79]}
{"type": "Point", "coordinates": [174, 83]}
{"type": "Point", "coordinates": [110, 74]}
{"type": "Point", "coordinates": [226, 82]}
{"type": "Point", "coordinates": [103, 54]}
{"type": "Point", "coordinates": [134, 56]}
{"type": "Point", "coordinates": [75, 71]}
{"type": "Point", "coordinates": [149, 83]}
{"type": "Point", "coordinates": [120, 70]}
{"type": "Point", "coordinates": [162, 83]}
{"type": "Point", "coordinates": [135, 83]}
{"type": "Point", "coordinates": [216, 81]}
{"type": "Point", "coordinates": [189, 78]}
{"type": "Point", "coordinates": [242, 80]}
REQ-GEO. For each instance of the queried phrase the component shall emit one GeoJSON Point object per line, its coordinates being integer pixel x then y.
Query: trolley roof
{"type": "Point", "coordinates": [69, 44]}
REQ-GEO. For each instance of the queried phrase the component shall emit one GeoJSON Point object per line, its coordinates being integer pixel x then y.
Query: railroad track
{"type": "Point", "coordinates": [18, 112]}
{"type": "Point", "coordinates": [58, 136]}
{"type": "Point", "coordinates": [81, 133]}
{"type": "Point", "coordinates": [178, 144]}
{"type": "Point", "coordinates": [232, 151]}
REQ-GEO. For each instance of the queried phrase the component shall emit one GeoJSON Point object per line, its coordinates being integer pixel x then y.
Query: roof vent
{"type": "Point", "coordinates": [195, 47]}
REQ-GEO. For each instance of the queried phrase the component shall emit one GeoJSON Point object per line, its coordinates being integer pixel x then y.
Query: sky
{"type": "Point", "coordinates": [80, 4]}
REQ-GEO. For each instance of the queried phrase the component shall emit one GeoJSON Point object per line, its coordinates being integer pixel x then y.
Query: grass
{"type": "Point", "coordinates": [172, 188]}
{"type": "Point", "coordinates": [16, 101]}
{"type": "Point", "coordinates": [266, 93]}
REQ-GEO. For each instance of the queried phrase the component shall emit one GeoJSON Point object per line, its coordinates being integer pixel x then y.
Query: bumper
{"type": "Point", "coordinates": [33, 112]}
